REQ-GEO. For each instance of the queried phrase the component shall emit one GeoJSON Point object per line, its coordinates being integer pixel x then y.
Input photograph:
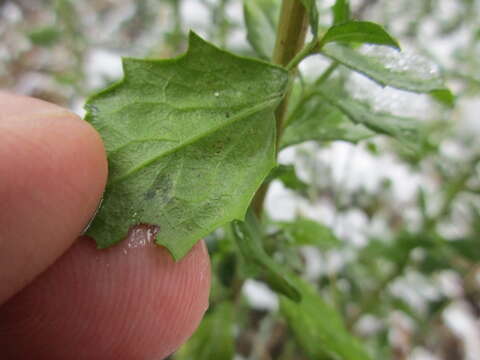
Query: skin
{"type": "Point", "coordinates": [60, 298]}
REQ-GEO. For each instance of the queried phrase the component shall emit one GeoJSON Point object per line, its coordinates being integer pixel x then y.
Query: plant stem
{"type": "Point", "coordinates": [306, 51]}
{"type": "Point", "coordinates": [291, 31]}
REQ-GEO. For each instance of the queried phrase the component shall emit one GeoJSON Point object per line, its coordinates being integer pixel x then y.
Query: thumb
{"type": "Point", "coordinates": [52, 174]}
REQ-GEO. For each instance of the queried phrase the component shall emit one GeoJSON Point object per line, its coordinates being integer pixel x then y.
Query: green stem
{"type": "Point", "coordinates": [314, 46]}
{"type": "Point", "coordinates": [291, 32]}
{"type": "Point", "coordinates": [306, 51]}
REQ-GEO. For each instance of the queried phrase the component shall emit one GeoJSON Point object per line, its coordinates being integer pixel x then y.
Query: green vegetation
{"type": "Point", "coordinates": [201, 128]}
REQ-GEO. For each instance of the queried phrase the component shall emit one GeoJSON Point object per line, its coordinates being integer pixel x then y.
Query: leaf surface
{"type": "Point", "coordinates": [45, 36]}
{"type": "Point", "coordinates": [315, 119]}
{"type": "Point", "coordinates": [189, 140]}
{"type": "Point", "coordinates": [388, 67]}
{"type": "Point", "coordinates": [318, 328]}
{"type": "Point", "coordinates": [444, 96]}
{"type": "Point", "coordinates": [359, 32]}
{"type": "Point", "coordinates": [408, 131]}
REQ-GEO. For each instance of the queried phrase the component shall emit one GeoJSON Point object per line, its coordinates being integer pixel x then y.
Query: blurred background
{"type": "Point", "coordinates": [402, 263]}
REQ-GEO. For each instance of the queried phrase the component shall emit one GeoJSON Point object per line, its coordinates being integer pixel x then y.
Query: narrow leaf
{"type": "Point", "coordinates": [315, 119]}
{"type": "Point", "coordinates": [444, 96]}
{"type": "Point", "coordinates": [189, 140]}
{"type": "Point", "coordinates": [260, 18]}
{"type": "Point", "coordinates": [318, 328]}
{"type": "Point", "coordinates": [406, 130]}
{"type": "Point", "coordinates": [308, 232]}
{"type": "Point", "coordinates": [248, 237]}
{"type": "Point", "coordinates": [388, 67]}
{"type": "Point", "coordinates": [359, 32]}
{"type": "Point", "coordinates": [45, 36]}
{"type": "Point", "coordinates": [341, 11]}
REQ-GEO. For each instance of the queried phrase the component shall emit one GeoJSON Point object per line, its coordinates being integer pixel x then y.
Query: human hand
{"type": "Point", "coordinates": [60, 298]}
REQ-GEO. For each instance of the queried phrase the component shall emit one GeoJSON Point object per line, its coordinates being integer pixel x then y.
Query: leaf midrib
{"type": "Point", "coordinates": [356, 34]}
{"type": "Point", "coordinates": [239, 116]}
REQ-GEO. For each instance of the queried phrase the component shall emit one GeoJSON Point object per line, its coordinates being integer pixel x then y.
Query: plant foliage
{"type": "Point", "coordinates": [193, 142]}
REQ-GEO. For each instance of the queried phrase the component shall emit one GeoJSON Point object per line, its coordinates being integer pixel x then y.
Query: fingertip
{"type": "Point", "coordinates": [54, 169]}
{"type": "Point", "coordinates": [131, 301]}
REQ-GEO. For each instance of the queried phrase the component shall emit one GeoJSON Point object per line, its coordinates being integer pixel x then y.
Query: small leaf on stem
{"type": "Point", "coordinates": [358, 32]}
{"type": "Point", "coordinates": [319, 328]}
{"type": "Point", "coordinates": [388, 67]}
{"type": "Point", "coordinates": [248, 237]}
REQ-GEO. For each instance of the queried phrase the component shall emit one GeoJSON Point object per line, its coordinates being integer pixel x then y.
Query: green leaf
{"type": "Point", "coordinates": [189, 140]}
{"type": "Point", "coordinates": [388, 68]}
{"type": "Point", "coordinates": [318, 328]}
{"type": "Point", "coordinates": [308, 232]}
{"type": "Point", "coordinates": [408, 131]}
{"type": "Point", "coordinates": [45, 36]}
{"type": "Point", "coordinates": [444, 96]}
{"type": "Point", "coordinates": [341, 11]}
{"type": "Point", "coordinates": [467, 247]}
{"type": "Point", "coordinates": [315, 119]}
{"type": "Point", "coordinates": [287, 175]}
{"type": "Point", "coordinates": [312, 11]}
{"type": "Point", "coordinates": [359, 32]}
{"type": "Point", "coordinates": [214, 337]}
{"type": "Point", "coordinates": [260, 20]}
{"type": "Point", "coordinates": [248, 237]}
